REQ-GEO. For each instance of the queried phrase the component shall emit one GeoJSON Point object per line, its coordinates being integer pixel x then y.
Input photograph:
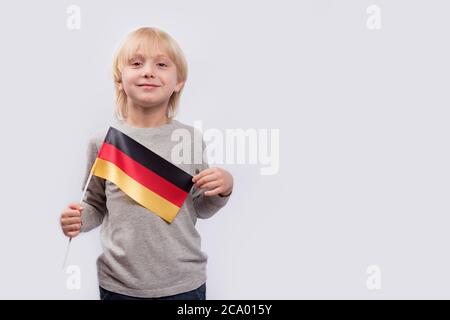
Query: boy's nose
{"type": "Point", "coordinates": [147, 71]}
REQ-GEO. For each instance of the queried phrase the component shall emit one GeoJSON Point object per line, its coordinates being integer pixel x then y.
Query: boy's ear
{"type": "Point", "coordinates": [179, 86]}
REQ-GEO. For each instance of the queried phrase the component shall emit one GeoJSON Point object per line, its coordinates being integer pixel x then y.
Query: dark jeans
{"type": "Point", "coordinates": [196, 294]}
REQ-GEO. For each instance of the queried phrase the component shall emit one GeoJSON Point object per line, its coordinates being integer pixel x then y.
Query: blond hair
{"type": "Point", "coordinates": [147, 38]}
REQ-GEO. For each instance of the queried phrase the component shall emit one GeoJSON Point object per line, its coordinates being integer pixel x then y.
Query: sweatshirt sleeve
{"type": "Point", "coordinates": [206, 206]}
{"type": "Point", "coordinates": [94, 201]}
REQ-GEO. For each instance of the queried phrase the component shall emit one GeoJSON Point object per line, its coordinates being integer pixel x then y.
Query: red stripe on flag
{"type": "Point", "coordinates": [143, 175]}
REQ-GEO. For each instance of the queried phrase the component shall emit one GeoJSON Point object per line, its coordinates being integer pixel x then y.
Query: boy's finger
{"type": "Point", "coordinates": [211, 185]}
{"type": "Point", "coordinates": [213, 192]}
{"type": "Point", "coordinates": [72, 227]}
{"type": "Point", "coordinates": [75, 206]}
{"type": "Point", "coordinates": [72, 213]}
{"type": "Point", "coordinates": [208, 178]}
{"type": "Point", "coordinates": [201, 174]}
{"type": "Point", "coordinates": [73, 233]}
{"type": "Point", "coordinates": [69, 221]}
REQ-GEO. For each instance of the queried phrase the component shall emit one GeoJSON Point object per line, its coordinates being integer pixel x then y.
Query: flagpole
{"type": "Point", "coordinates": [82, 197]}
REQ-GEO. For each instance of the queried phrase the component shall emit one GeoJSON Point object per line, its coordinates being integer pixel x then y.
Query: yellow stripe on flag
{"type": "Point", "coordinates": [138, 192]}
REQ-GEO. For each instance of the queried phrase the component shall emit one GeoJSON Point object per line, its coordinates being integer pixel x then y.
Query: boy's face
{"type": "Point", "coordinates": [149, 81]}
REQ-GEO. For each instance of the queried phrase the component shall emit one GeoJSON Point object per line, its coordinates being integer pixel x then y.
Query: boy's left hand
{"type": "Point", "coordinates": [217, 180]}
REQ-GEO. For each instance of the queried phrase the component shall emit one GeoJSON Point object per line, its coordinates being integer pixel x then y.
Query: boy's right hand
{"type": "Point", "coordinates": [71, 220]}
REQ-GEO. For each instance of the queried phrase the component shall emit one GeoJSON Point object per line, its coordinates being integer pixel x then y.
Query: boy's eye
{"type": "Point", "coordinates": [136, 63]}
{"type": "Point", "coordinates": [161, 64]}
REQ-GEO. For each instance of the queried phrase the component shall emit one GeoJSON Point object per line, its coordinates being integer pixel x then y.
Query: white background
{"type": "Point", "coordinates": [364, 125]}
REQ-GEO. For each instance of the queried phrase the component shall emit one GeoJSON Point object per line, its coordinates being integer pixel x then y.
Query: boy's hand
{"type": "Point", "coordinates": [71, 220]}
{"type": "Point", "coordinates": [217, 180]}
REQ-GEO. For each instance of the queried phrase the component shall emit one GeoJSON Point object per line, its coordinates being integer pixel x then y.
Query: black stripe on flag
{"type": "Point", "coordinates": [149, 159]}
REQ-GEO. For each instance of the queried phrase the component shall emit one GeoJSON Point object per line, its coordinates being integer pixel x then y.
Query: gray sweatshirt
{"type": "Point", "coordinates": [143, 255]}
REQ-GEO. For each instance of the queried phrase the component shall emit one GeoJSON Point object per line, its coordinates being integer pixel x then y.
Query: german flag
{"type": "Point", "coordinates": [146, 177]}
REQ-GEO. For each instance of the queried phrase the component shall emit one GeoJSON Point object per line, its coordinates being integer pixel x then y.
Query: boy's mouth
{"type": "Point", "coordinates": [147, 85]}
